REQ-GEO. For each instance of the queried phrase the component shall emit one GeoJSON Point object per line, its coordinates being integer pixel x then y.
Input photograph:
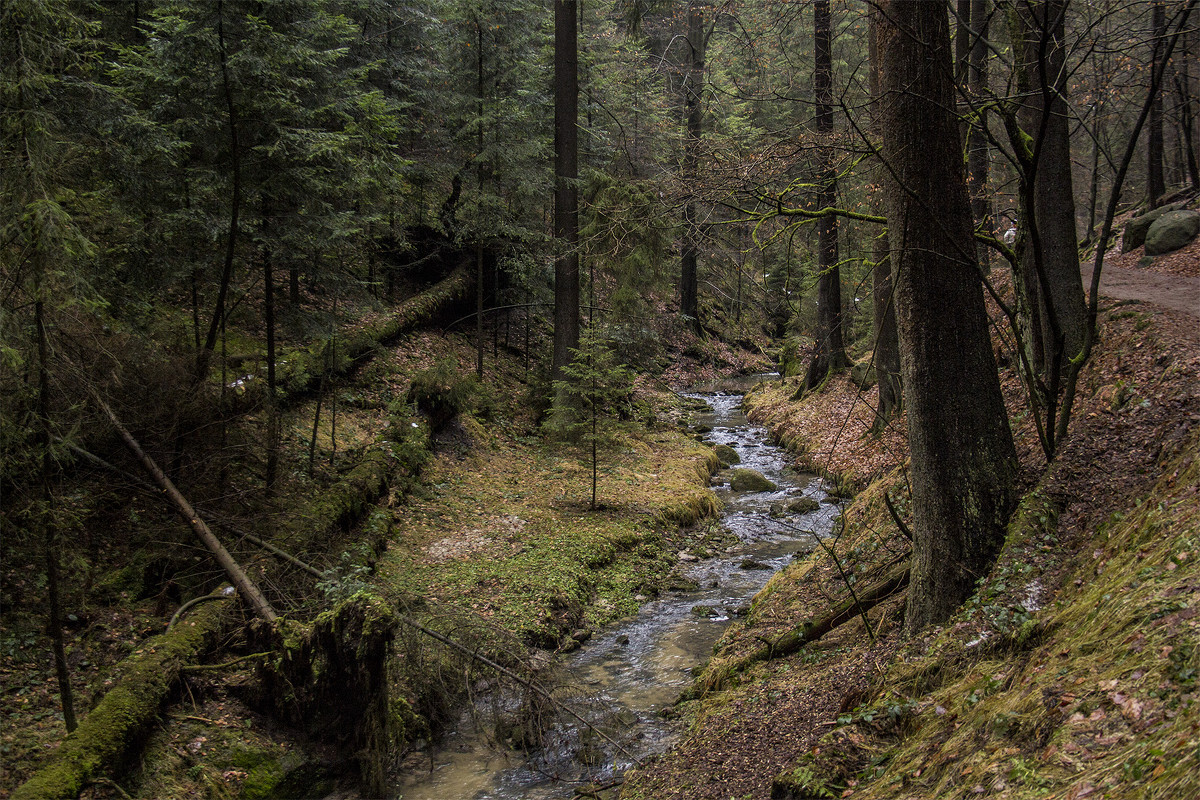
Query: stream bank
{"type": "Point", "coordinates": [629, 675]}
{"type": "Point", "coordinates": [1070, 673]}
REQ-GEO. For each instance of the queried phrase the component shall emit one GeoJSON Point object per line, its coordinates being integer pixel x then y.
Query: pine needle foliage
{"type": "Point", "coordinates": [592, 393]}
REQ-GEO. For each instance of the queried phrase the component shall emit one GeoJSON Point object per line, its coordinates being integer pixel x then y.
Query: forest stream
{"type": "Point", "coordinates": [625, 677]}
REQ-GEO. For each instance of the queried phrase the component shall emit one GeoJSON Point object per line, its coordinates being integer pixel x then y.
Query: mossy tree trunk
{"type": "Point", "coordinates": [107, 736]}
{"type": "Point", "coordinates": [963, 459]}
{"type": "Point", "coordinates": [331, 680]}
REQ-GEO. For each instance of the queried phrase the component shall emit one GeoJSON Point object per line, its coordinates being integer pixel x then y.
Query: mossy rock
{"type": "Point", "coordinates": [1137, 228]}
{"type": "Point", "coordinates": [748, 480]}
{"type": "Point", "coordinates": [727, 454]}
{"type": "Point", "coordinates": [1171, 231]}
{"type": "Point", "coordinates": [863, 374]}
{"type": "Point", "coordinates": [803, 505]}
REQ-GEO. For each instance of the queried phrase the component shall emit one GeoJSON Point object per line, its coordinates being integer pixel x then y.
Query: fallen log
{"type": "Point", "coordinates": [107, 736]}
{"type": "Point", "coordinates": [713, 678]}
{"type": "Point", "coordinates": [300, 371]}
{"type": "Point", "coordinates": [237, 576]}
{"type": "Point", "coordinates": [811, 630]}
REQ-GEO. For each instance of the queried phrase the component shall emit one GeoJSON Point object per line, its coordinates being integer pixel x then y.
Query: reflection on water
{"type": "Point", "coordinates": [629, 674]}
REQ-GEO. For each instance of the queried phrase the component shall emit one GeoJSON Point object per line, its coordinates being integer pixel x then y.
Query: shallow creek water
{"type": "Point", "coordinates": [632, 671]}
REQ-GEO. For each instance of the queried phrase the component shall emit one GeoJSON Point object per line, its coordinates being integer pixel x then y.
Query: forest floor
{"type": "Point", "coordinates": [1072, 673]}
{"type": "Point", "coordinates": [1140, 400]}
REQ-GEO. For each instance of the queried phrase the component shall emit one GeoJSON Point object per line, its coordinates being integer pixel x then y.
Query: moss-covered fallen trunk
{"type": "Point", "coordinates": [300, 371]}
{"type": "Point", "coordinates": [788, 642]}
{"type": "Point", "coordinates": [107, 737]}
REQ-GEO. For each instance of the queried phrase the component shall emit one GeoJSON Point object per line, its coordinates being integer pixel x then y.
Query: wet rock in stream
{"type": "Point", "coordinates": [748, 480]}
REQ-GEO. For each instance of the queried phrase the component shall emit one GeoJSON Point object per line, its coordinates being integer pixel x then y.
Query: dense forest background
{"type": "Point", "coordinates": [215, 214]}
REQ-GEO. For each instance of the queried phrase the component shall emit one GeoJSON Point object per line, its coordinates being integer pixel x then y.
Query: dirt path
{"type": "Point", "coordinates": [1176, 292]}
{"type": "Point", "coordinates": [1171, 281]}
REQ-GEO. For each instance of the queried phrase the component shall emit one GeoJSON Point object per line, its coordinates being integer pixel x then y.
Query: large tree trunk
{"type": "Point", "coordinates": [831, 351]}
{"type": "Point", "coordinates": [566, 193]}
{"type": "Point", "coordinates": [1050, 286]}
{"type": "Point", "coordinates": [963, 460]}
{"type": "Point", "coordinates": [887, 345]}
{"type": "Point", "coordinates": [689, 294]}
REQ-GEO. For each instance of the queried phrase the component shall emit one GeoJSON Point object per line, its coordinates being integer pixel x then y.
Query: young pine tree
{"type": "Point", "coordinates": [594, 388]}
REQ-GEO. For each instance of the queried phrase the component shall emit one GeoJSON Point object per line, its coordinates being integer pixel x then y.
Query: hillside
{"type": "Point", "coordinates": [1071, 673]}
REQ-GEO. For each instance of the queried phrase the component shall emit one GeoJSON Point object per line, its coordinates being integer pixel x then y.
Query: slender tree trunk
{"type": "Point", "coordinates": [269, 320]}
{"type": "Point", "coordinates": [831, 351]}
{"type": "Point", "coordinates": [480, 177]}
{"type": "Point", "coordinates": [237, 576]}
{"type": "Point", "coordinates": [887, 346]}
{"type": "Point", "coordinates": [566, 191]}
{"type": "Point", "coordinates": [49, 527]}
{"type": "Point", "coordinates": [235, 202]}
{"type": "Point", "coordinates": [978, 151]}
{"type": "Point", "coordinates": [1050, 270]}
{"type": "Point", "coordinates": [689, 296]}
{"type": "Point", "coordinates": [963, 460]}
{"type": "Point", "coordinates": [1155, 182]}
{"type": "Point", "coordinates": [1188, 108]}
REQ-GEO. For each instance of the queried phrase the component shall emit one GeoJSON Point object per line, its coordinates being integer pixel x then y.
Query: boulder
{"type": "Point", "coordinates": [863, 374]}
{"type": "Point", "coordinates": [727, 454]}
{"type": "Point", "coordinates": [748, 480]}
{"type": "Point", "coordinates": [1171, 231]}
{"type": "Point", "coordinates": [803, 505]}
{"type": "Point", "coordinates": [1137, 228]}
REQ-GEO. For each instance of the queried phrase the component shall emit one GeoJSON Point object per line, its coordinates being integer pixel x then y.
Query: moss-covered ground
{"type": "Point", "coordinates": [484, 524]}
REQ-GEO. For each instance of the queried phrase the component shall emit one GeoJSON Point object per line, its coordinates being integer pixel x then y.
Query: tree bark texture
{"type": "Point", "coordinates": [1050, 269]}
{"type": "Point", "coordinates": [963, 461]}
{"type": "Point", "coordinates": [566, 191]}
{"type": "Point", "coordinates": [831, 350]}
{"type": "Point", "coordinates": [689, 295]}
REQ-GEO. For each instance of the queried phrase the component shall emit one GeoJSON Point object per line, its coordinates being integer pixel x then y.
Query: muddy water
{"type": "Point", "coordinates": [633, 672]}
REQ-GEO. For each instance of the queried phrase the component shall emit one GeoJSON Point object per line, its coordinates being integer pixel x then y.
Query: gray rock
{"type": "Point", "coordinates": [863, 374]}
{"type": "Point", "coordinates": [1137, 228]}
{"type": "Point", "coordinates": [748, 480]}
{"type": "Point", "coordinates": [1171, 231]}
